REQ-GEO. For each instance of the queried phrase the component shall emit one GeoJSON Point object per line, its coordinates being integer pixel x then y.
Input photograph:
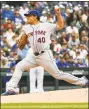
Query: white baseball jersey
{"type": "Point", "coordinates": [40, 35]}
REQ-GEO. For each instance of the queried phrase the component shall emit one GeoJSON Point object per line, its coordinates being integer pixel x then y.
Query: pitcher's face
{"type": "Point", "coordinates": [31, 19]}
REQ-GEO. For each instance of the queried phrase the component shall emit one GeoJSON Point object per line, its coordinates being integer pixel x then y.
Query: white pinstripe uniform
{"type": "Point", "coordinates": [39, 41]}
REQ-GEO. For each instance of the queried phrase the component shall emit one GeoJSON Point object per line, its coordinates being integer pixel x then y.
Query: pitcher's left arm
{"type": "Point", "coordinates": [22, 41]}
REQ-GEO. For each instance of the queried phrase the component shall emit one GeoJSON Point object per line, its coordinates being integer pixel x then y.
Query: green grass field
{"type": "Point", "coordinates": [44, 106]}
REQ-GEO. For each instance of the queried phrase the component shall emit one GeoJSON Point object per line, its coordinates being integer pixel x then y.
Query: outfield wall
{"type": "Point", "coordinates": [50, 83]}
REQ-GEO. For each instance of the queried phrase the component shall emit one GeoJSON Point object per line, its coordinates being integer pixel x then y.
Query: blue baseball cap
{"type": "Point", "coordinates": [32, 12]}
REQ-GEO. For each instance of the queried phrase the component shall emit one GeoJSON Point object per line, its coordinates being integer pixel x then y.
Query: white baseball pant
{"type": "Point", "coordinates": [36, 73]}
{"type": "Point", "coordinates": [47, 61]}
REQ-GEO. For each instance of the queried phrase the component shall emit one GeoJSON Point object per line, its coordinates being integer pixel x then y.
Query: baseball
{"type": "Point", "coordinates": [56, 6]}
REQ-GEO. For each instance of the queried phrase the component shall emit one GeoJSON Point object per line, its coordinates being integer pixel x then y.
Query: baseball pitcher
{"type": "Point", "coordinates": [38, 34]}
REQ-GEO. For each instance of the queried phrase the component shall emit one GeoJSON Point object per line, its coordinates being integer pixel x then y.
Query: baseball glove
{"type": "Point", "coordinates": [22, 41]}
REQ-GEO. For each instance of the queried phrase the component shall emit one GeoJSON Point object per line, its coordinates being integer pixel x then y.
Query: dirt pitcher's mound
{"type": "Point", "coordinates": [72, 95]}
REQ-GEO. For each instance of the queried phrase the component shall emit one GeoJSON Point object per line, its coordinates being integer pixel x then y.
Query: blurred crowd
{"type": "Point", "coordinates": [69, 45]}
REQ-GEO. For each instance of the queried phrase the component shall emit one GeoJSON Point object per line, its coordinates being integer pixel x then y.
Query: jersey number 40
{"type": "Point", "coordinates": [41, 40]}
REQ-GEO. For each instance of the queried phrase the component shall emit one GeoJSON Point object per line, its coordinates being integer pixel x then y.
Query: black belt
{"type": "Point", "coordinates": [38, 53]}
